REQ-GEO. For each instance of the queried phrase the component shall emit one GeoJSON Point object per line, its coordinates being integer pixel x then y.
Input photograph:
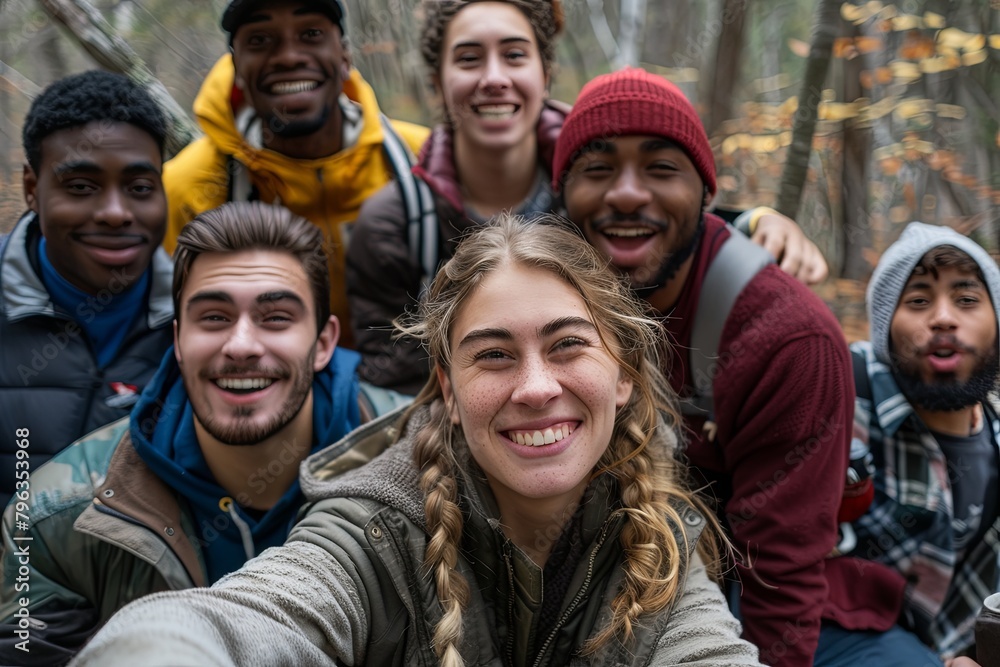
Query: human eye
{"type": "Point", "coordinates": [466, 57]}
{"type": "Point", "coordinates": [79, 187]}
{"type": "Point", "coordinates": [257, 40]}
{"type": "Point", "coordinates": [570, 343]}
{"type": "Point", "coordinates": [917, 302]}
{"type": "Point", "coordinates": [312, 35]}
{"type": "Point", "coordinates": [491, 355]}
{"type": "Point", "coordinates": [142, 188]}
{"type": "Point", "coordinates": [968, 300]}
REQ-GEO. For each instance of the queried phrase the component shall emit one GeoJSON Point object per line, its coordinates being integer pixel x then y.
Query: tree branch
{"type": "Point", "coordinates": [113, 53]}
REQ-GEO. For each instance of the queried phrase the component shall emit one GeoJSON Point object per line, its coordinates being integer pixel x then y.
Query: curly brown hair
{"type": "Point", "coordinates": [545, 16]}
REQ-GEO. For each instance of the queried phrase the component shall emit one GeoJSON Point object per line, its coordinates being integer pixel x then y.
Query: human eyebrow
{"type": "Point", "coordinates": [658, 144]}
{"type": "Point", "coordinates": [967, 283]}
{"type": "Point", "coordinates": [599, 146]}
{"type": "Point", "coordinates": [280, 295]}
{"type": "Point", "coordinates": [141, 168]}
{"type": "Point", "coordinates": [202, 297]}
{"type": "Point", "coordinates": [76, 166]}
{"type": "Point", "coordinates": [481, 334]}
{"type": "Point", "coordinates": [557, 325]}
{"type": "Point", "coordinates": [916, 285]}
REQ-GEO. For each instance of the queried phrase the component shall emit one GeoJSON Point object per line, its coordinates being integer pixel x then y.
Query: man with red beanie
{"type": "Point", "coordinates": [767, 387]}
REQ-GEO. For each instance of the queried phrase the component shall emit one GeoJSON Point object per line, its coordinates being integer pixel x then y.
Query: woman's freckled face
{"type": "Point", "coordinates": [532, 385]}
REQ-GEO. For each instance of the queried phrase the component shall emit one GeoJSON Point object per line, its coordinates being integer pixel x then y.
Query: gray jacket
{"type": "Point", "coordinates": [349, 587]}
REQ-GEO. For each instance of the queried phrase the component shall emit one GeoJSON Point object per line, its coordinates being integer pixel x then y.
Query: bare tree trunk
{"type": "Point", "coordinates": [729, 50]}
{"type": "Point", "coordinates": [603, 31]}
{"type": "Point", "coordinates": [797, 163]}
{"type": "Point", "coordinates": [630, 32]}
{"type": "Point", "coordinates": [110, 51]}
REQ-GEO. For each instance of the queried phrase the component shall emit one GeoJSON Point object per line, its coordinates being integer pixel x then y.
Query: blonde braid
{"type": "Point", "coordinates": [653, 558]}
{"type": "Point", "coordinates": [435, 458]}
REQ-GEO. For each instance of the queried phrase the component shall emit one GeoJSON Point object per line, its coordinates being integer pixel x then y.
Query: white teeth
{"type": "Point", "coordinates": [628, 231]}
{"type": "Point", "coordinates": [290, 87]}
{"type": "Point", "coordinates": [243, 383]}
{"type": "Point", "coordinates": [496, 111]}
{"type": "Point", "coordinates": [539, 438]}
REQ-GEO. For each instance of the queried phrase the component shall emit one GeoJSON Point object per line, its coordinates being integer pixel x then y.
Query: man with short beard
{"type": "Point", "coordinates": [923, 383]}
{"type": "Point", "coordinates": [637, 173]}
{"type": "Point", "coordinates": [203, 475]}
{"type": "Point", "coordinates": [289, 121]}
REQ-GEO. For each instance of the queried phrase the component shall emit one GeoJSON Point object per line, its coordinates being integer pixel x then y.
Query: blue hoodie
{"type": "Point", "coordinates": [162, 429]}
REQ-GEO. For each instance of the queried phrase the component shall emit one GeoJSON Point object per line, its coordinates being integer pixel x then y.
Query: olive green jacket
{"type": "Point", "coordinates": [350, 587]}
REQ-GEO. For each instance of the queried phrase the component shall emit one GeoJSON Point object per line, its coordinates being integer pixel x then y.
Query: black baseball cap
{"type": "Point", "coordinates": [238, 10]}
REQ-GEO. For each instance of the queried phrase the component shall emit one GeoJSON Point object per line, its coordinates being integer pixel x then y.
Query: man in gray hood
{"type": "Point", "coordinates": [923, 386]}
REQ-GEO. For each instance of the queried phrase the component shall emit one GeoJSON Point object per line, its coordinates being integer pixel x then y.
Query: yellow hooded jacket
{"type": "Point", "coordinates": [327, 191]}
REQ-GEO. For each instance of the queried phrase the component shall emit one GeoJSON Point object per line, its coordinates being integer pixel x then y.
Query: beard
{"type": "Point", "coordinates": [670, 264]}
{"type": "Point", "coordinates": [294, 129]}
{"type": "Point", "coordinates": [945, 393]}
{"type": "Point", "coordinates": [238, 429]}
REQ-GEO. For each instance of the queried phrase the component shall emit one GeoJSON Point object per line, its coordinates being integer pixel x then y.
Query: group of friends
{"type": "Point", "coordinates": [509, 392]}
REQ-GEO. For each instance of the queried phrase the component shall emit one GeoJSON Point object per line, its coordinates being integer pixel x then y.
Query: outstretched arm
{"type": "Point", "coordinates": [304, 603]}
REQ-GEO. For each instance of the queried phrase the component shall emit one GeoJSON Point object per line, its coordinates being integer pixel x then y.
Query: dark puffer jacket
{"type": "Point", "coordinates": [383, 281]}
{"type": "Point", "coordinates": [50, 383]}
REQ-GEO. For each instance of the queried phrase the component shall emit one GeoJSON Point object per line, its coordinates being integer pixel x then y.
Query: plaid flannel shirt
{"type": "Point", "coordinates": [909, 524]}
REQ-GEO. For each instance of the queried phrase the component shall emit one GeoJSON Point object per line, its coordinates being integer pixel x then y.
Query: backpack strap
{"type": "Point", "coordinates": [862, 384]}
{"type": "Point", "coordinates": [737, 262]}
{"type": "Point", "coordinates": [418, 202]}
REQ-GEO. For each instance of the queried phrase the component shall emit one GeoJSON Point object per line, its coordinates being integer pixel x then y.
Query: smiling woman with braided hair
{"type": "Point", "coordinates": [529, 512]}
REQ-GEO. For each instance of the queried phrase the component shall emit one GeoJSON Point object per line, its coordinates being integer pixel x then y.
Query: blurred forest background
{"type": "Point", "coordinates": [853, 117]}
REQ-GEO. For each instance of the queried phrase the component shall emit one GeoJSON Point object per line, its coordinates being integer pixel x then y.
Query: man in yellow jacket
{"type": "Point", "coordinates": [287, 120]}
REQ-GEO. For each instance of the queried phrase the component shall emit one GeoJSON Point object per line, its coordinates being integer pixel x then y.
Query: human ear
{"type": "Point", "coordinates": [326, 343]}
{"type": "Point", "coordinates": [448, 395]}
{"type": "Point", "coordinates": [177, 347]}
{"type": "Point", "coordinates": [29, 182]}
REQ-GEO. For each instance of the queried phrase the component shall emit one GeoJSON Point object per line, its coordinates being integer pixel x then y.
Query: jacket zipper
{"type": "Point", "coordinates": [576, 600]}
{"type": "Point", "coordinates": [510, 604]}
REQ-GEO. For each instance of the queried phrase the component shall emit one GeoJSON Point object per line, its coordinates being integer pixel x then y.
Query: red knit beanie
{"type": "Point", "coordinates": [628, 102]}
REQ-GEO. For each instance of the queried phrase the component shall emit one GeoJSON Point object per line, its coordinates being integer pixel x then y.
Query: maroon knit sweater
{"type": "Point", "coordinates": [784, 406]}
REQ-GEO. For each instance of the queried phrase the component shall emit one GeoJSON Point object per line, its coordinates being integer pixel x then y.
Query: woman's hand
{"type": "Point", "coordinates": [961, 662]}
{"type": "Point", "coordinates": [796, 254]}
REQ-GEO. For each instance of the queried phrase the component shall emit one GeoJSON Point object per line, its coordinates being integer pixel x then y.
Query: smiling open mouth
{"type": "Point", "coordinates": [292, 87]}
{"type": "Point", "coordinates": [628, 232]}
{"type": "Point", "coordinates": [496, 111]}
{"type": "Point", "coordinates": [539, 438]}
{"type": "Point", "coordinates": [243, 385]}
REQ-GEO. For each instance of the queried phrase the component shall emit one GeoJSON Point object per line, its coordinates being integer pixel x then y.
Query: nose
{"type": "Point", "coordinates": [495, 76]}
{"type": "Point", "coordinates": [243, 343]}
{"type": "Point", "coordinates": [943, 316]}
{"type": "Point", "coordinates": [288, 53]}
{"type": "Point", "coordinates": [628, 194]}
{"type": "Point", "coordinates": [537, 383]}
{"type": "Point", "coordinates": [114, 210]}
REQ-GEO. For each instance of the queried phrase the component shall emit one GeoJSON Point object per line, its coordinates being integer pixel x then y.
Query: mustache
{"type": "Point", "coordinates": [615, 217]}
{"type": "Point", "coordinates": [945, 340]}
{"type": "Point", "coordinates": [233, 370]}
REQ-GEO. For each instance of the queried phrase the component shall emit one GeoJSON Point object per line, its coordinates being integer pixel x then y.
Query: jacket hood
{"type": "Point", "coordinates": [436, 164]}
{"type": "Point", "coordinates": [896, 266]}
{"type": "Point", "coordinates": [23, 294]}
{"type": "Point", "coordinates": [163, 434]}
{"type": "Point", "coordinates": [219, 101]}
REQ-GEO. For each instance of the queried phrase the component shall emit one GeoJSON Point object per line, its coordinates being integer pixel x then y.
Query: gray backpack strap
{"type": "Point", "coordinates": [418, 202]}
{"type": "Point", "coordinates": [737, 262]}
